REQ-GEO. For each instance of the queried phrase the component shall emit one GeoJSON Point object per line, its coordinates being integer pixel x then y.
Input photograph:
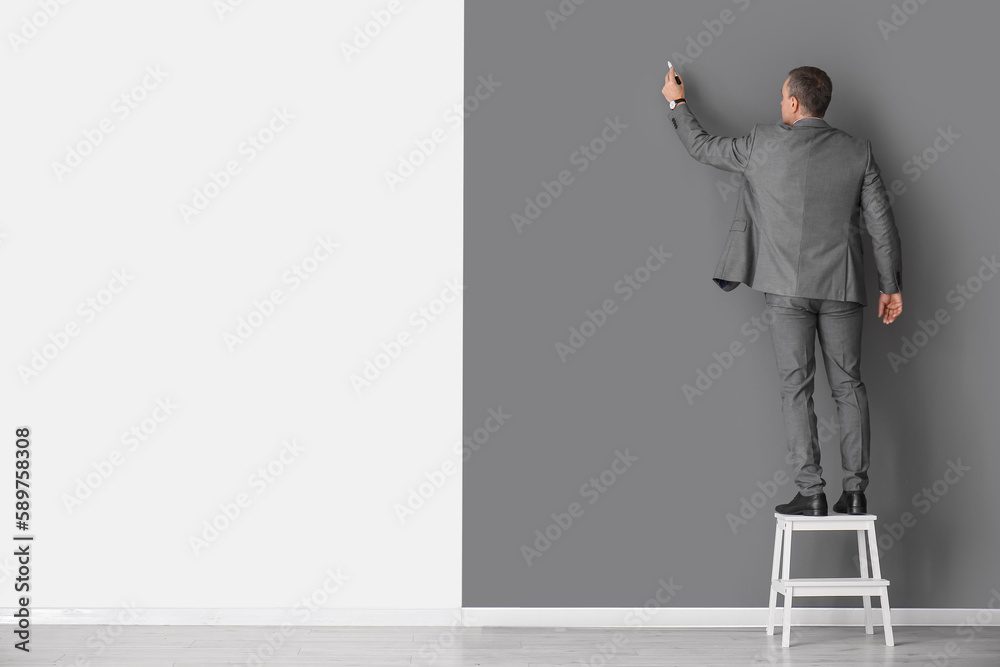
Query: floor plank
{"type": "Point", "coordinates": [214, 646]}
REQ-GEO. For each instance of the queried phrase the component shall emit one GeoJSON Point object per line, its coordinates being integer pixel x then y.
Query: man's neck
{"type": "Point", "coordinates": [798, 119]}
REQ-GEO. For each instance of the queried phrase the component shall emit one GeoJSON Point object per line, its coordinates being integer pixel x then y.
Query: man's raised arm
{"type": "Point", "coordinates": [728, 153]}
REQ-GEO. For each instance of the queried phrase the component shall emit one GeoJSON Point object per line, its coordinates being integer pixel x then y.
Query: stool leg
{"type": "Point", "coordinates": [863, 559]}
{"type": "Point", "coordinates": [877, 573]}
{"type": "Point", "coordinates": [775, 562]}
{"type": "Point", "coordinates": [786, 560]}
{"type": "Point", "coordinates": [786, 619]}
{"type": "Point", "coordinates": [886, 620]}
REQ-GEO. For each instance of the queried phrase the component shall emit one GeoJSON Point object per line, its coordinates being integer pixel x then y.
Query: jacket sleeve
{"type": "Point", "coordinates": [728, 153]}
{"type": "Point", "coordinates": [882, 227]}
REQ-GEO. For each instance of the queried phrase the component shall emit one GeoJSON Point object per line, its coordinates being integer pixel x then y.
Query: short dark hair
{"type": "Point", "coordinates": [812, 87]}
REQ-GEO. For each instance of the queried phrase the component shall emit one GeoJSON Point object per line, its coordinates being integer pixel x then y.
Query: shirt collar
{"type": "Point", "coordinates": [810, 121]}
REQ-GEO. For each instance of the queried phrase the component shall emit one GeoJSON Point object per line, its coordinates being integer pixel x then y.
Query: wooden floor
{"type": "Point", "coordinates": [195, 646]}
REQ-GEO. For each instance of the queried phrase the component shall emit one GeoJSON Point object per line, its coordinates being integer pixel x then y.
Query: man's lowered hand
{"type": "Point", "coordinates": [890, 306]}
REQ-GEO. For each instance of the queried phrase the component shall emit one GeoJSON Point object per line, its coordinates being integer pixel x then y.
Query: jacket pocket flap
{"type": "Point", "coordinates": [739, 225]}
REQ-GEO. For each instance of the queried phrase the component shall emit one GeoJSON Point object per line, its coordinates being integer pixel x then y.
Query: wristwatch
{"type": "Point", "coordinates": [673, 103]}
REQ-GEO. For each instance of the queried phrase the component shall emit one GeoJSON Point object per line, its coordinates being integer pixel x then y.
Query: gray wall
{"type": "Point", "coordinates": [664, 519]}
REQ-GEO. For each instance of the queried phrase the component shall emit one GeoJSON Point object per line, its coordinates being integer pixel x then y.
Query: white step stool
{"type": "Point", "coordinates": [864, 585]}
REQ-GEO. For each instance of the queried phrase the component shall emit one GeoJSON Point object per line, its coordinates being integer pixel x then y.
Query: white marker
{"type": "Point", "coordinates": [677, 79]}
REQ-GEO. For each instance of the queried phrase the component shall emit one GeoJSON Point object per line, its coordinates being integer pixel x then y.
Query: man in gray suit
{"type": "Point", "coordinates": [796, 236]}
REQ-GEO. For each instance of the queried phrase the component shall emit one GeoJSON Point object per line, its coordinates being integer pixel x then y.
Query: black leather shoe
{"type": "Point", "coordinates": [807, 505]}
{"type": "Point", "coordinates": [851, 502]}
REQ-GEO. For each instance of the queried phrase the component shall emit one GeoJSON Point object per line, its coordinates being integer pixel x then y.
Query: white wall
{"type": "Point", "coordinates": [161, 336]}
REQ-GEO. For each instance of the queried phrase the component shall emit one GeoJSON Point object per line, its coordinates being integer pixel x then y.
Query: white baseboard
{"type": "Point", "coordinates": [674, 617]}
{"type": "Point", "coordinates": [715, 617]}
{"type": "Point", "coordinates": [272, 617]}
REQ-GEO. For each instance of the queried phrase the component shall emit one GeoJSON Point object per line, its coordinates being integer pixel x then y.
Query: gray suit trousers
{"type": "Point", "coordinates": [795, 323]}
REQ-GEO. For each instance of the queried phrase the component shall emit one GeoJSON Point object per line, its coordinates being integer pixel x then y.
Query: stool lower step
{"type": "Point", "coordinates": [830, 586]}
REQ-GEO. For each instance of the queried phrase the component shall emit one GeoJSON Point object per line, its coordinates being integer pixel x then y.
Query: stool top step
{"type": "Point", "coordinates": [830, 517]}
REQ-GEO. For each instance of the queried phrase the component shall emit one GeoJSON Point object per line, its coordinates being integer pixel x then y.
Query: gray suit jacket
{"type": "Point", "coordinates": [803, 191]}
